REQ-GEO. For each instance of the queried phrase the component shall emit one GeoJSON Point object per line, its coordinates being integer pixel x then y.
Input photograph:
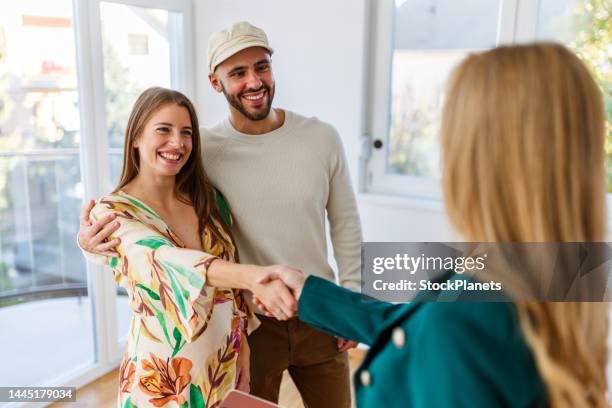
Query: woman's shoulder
{"type": "Point", "coordinates": [114, 202]}
{"type": "Point", "coordinates": [125, 205]}
{"type": "Point", "coordinates": [112, 197]}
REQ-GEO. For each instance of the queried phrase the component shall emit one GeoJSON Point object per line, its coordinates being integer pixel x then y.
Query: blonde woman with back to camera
{"type": "Point", "coordinates": [522, 142]}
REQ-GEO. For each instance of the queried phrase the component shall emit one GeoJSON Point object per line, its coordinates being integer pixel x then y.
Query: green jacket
{"type": "Point", "coordinates": [429, 354]}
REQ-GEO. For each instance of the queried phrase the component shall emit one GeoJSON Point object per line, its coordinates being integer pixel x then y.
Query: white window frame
{"type": "Point", "coordinates": [95, 171]}
{"type": "Point", "coordinates": [517, 22]}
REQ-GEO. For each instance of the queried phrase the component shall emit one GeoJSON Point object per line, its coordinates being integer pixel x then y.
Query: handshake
{"type": "Point", "coordinates": [276, 290]}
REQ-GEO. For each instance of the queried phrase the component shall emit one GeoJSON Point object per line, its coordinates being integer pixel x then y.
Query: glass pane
{"type": "Point", "coordinates": [43, 282]}
{"type": "Point", "coordinates": [430, 38]}
{"type": "Point", "coordinates": [136, 45]}
{"type": "Point", "coordinates": [38, 87]}
{"type": "Point", "coordinates": [136, 56]}
{"type": "Point", "coordinates": [585, 26]}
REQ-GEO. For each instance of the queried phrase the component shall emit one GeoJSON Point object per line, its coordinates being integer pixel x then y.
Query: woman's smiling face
{"type": "Point", "coordinates": [166, 141]}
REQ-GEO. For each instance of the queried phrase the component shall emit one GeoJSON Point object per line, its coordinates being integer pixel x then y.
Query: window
{"type": "Point", "coordinates": [429, 39]}
{"type": "Point", "coordinates": [416, 43]}
{"type": "Point", "coordinates": [61, 102]}
{"type": "Point", "coordinates": [42, 273]}
{"type": "Point", "coordinates": [132, 63]}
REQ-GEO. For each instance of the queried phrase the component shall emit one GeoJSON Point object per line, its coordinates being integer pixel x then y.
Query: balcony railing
{"type": "Point", "coordinates": [40, 198]}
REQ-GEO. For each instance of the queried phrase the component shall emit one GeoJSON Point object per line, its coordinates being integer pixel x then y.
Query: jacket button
{"type": "Point", "coordinates": [399, 337]}
{"type": "Point", "coordinates": [366, 378]}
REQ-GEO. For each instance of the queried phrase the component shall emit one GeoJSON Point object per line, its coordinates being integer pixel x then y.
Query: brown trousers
{"type": "Point", "coordinates": [319, 371]}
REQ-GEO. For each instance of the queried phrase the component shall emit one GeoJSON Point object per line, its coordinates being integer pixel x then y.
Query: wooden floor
{"type": "Point", "coordinates": [102, 393]}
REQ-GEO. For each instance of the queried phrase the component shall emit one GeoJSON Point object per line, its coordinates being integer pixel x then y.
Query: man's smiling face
{"type": "Point", "coordinates": [247, 82]}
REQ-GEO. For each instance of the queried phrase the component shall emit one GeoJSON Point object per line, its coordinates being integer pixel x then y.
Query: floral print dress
{"type": "Point", "coordinates": [184, 337]}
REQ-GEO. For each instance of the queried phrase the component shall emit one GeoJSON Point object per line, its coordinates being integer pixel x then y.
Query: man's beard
{"type": "Point", "coordinates": [236, 102]}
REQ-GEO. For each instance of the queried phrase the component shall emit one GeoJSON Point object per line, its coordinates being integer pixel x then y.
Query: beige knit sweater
{"type": "Point", "coordinates": [280, 186]}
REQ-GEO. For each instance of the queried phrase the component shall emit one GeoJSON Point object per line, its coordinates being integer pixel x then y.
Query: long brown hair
{"type": "Point", "coordinates": [191, 181]}
{"type": "Point", "coordinates": [523, 161]}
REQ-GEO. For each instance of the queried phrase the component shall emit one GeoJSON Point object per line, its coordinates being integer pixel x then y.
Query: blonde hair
{"type": "Point", "coordinates": [523, 161]}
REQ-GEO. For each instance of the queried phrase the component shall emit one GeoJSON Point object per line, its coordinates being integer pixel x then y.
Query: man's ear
{"type": "Point", "coordinates": [214, 82]}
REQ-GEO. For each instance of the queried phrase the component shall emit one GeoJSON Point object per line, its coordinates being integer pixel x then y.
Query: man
{"type": "Point", "coordinates": [280, 173]}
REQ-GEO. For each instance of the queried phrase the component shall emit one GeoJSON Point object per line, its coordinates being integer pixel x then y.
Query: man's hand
{"type": "Point", "coordinates": [344, 345]}
{"type": "Point", "coordinates": [292, 277]}
{"type": "Point", "coordinates": [92, 236]}
{"type": "Point", "coordinates": [261, 306]}
{"type": "Point", "coordinates": [243, 370]}
{"type": "Point", "coordinates": [276, 298]}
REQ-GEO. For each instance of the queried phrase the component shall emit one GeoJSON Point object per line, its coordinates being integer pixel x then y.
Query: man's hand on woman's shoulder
{"type": "Point", "coordinates": [93, 236]}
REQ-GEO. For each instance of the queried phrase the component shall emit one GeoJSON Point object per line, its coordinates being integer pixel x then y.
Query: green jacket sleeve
{"type": "Point", "coordinates": [341, 312]}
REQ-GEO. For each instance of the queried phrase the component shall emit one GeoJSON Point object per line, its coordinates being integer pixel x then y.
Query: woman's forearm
{"type": "Point", "coordinates": [231, 275]}
{"type": "Point", "coordinates": [274, 294]}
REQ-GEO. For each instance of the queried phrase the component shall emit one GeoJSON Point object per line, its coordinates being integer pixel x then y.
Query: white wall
{"type": "Point", "coordinates": [320, 70]}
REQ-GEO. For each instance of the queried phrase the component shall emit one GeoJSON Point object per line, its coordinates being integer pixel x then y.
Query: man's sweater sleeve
{"type": "Point", "coordinates": [345, 227]}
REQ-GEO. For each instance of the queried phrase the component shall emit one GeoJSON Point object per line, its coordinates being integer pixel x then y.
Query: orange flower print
{"type": "Point", "coordinates": [165, 380]}
{"type": "Point", "coordinates": [126, 374]}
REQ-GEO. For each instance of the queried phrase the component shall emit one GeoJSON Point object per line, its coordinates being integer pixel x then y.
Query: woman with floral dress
{"type": "Point", "coordinates": [186, 345]}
